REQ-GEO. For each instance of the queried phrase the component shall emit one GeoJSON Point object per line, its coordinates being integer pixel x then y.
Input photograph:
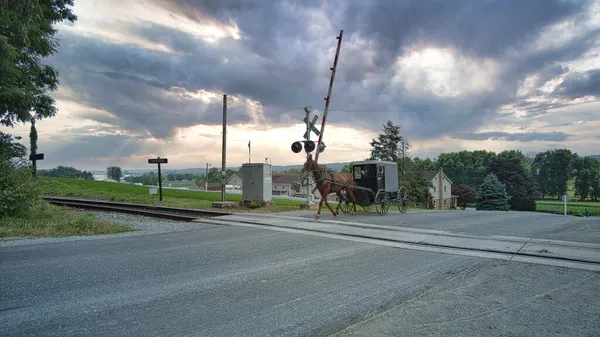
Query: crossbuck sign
{"type": "Point", "coordinates": [311, 126]}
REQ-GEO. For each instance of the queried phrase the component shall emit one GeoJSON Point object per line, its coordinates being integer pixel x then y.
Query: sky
{"type": "Point", "coordinates": [145, 78]}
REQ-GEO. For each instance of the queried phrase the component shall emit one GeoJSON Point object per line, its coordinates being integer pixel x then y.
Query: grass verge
{"type": "Point", "coordinates": [573, 207]}
{"type": "Point", "coordinates": [46, 220]}
{"type": "Point", "coordinates": [102, 190]}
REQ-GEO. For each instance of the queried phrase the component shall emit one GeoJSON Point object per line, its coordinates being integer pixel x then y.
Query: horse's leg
{"type": "Point", "coordinates": [328, 189]}
{"type": "Point", "coordinates": [350, 193]}
{"type": "Point", "coordinates": [320, 205]}
{"type": "Point", "coordinates": [339, 195]}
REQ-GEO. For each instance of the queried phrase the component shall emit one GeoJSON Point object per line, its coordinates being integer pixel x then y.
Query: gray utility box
{"type": "Point", "coordinates": [257, 182]}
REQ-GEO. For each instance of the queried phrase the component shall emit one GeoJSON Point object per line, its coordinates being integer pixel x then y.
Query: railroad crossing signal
{"type": "Point", "coordinates": [311, 126]}
{"type": "Point", "coordinates": [157, 161]}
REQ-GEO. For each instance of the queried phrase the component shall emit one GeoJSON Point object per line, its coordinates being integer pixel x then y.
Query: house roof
{"type": "Point", "coordinates": [235, 175]}
{"type": "Point", "coordinates": [284, 178]}
{"type": "Point", "coordinates": [429, 175]}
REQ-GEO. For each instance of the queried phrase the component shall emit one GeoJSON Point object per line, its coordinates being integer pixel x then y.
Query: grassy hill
{"type": "Point", "coordinates": [102, 190]}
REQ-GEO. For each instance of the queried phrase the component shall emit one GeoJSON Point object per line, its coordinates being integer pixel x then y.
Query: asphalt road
{"type": "Point", "coordinates": [482, 223]}
{"type": "Point", "coordinates": [238, 281]}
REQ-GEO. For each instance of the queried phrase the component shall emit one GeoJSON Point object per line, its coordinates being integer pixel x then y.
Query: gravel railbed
{"type": "Point", "coordinates": [141, 225]}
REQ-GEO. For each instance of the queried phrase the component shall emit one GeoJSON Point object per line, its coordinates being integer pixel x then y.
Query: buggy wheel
{"type": "Point", "coordinates": [382, 202]}
{"type": "Point", "coordinates": [345, 204]}
{"type": "Point", "coordinates": [366, 208]}
{"type": "Point", "coordinates": [402, 199]}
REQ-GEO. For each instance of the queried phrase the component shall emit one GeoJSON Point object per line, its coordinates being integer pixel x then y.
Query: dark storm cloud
{"type": "Point", "coordinates": [581, 84]}
{"type": "Point", "coordinates": [514, 137]}
{"type": "Point", "coordinates": [101, 146]}
{"type": "Point", "coordinates": [480, 28]}
{"type": "Point", "coordinates": [131, 83]}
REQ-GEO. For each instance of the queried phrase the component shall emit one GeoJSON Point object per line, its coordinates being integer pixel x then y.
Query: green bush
{"type": "Point", "coordinates": [18, 190]}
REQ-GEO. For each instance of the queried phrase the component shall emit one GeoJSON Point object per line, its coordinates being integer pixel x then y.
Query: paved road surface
{"type": "Point", "coordinates": [483, 223]}
{"type": "Point", "coordinates": [237, 281]}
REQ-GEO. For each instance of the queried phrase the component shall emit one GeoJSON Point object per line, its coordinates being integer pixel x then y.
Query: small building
{"type": "Point", "coordinates": [235, 181]}
{"type": "Point", "coordinates": [282, 184]}
{"type": "Point", "coordinates": [441, 190]}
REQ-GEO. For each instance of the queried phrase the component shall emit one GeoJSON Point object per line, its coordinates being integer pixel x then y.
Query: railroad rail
{"type": "Point", "coordinates": [172, 213]}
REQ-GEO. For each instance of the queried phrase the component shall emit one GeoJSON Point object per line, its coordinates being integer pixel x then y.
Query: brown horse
{"type": "Point", "coordinates": [328, 183]}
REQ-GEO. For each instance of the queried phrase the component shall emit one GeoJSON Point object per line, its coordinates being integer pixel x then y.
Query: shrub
{"type": "Point", "coordinates": [491, 195]}
{"type": "Point", "coordinates": [18, 190]}
{"type": "Point", "coordinates": [466, 195]}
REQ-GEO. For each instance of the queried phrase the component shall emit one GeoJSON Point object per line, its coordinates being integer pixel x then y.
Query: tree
{"type": "Point", "coordinates": [587, 173]}
{"type": "Point", "coordinates": [387, 147]}
{"type": "Point", "coordinates": [214, 175]}
{"type": "Point", "coordinates": [26, 36]}
{"type": "Point", "coordinates": [417, 186]}
{"type": "Point", "coordinates": [552, 170]}
{"type": "Point", "coordinates": [491, 195]}
{"type": "Point", "coordinates": [512, 173]}
{"type": "Point", "coordinates": [465, 167]}
{"type": "Point", "coordinates": [9, 147]}
{"type": "Point", "coordinates": [66, 172]}
{"type": "Point", "coordinates": [114, 172]}
{"type": "Point", "coordinates": [347, 168]}
{"type": "Point", "coordinates": [466, 195]}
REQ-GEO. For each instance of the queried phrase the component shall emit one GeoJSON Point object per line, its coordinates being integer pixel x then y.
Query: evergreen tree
{"type": "Point", "coordinates": [387, 145]}
{"type": "Point", "coordinates": [492, 195]}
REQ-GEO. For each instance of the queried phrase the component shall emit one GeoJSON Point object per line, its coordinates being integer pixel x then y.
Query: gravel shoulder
{"type": "Point", "coordinates": [142, 225]}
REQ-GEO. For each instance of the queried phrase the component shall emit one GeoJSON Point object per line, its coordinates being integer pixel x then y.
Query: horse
{"type": "Point", "coordinates": [328, 183]}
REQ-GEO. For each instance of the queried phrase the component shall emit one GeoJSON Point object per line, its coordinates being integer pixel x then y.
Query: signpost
{"type": "Point", "coordinates": [34, 158]}
{"type": "Point", "coordinates": [158, 161]}
{"type": "Point", "coordinates": [565, 198]}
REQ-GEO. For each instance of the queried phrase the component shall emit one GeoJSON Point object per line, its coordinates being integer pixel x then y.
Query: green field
{"type": "Point", "coordinates": [92, 189]}
{"type": "Point", "coordinates": [573, 207]}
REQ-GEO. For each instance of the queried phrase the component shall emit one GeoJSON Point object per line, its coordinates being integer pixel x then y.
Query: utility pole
{"type": "Point", "coordinates": [206, 178]}
{"type": "Point", "coordinates": [223, 169]}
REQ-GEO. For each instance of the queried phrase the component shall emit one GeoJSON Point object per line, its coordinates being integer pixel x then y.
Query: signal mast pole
{"type": "Point", "coordinates": [328, 98]}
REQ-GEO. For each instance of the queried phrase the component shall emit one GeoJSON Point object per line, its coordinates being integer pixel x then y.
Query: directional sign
{"type": "Point", "coordinates": [157, 161]}
{"type": "Point", "coordinates": [38, 156]}
{"type": "Point", "coordinates": [311, 126]}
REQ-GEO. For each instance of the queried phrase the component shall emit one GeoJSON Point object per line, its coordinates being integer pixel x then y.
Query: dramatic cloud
{"type": "Point", "coordinates": [139, 78]}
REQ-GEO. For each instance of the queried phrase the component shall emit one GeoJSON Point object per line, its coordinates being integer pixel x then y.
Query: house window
{"type": "Point", "coordinates": [435, 203]}
{"type": "Point", "coordinates": [444, 202]}
{"type": "Point", "coordinates": [444, 188]}
{"type": "Point", "coordinates": [283, 187]}
{"type": "Point", "coordinates": [433, 189]}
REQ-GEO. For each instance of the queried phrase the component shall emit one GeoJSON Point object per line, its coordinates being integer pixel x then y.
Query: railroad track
{"type": "Point", "coordinates": [173, 213]}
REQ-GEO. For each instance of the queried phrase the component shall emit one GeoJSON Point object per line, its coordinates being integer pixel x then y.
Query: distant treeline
{"type": "Point", "coordinates": [66, 172]}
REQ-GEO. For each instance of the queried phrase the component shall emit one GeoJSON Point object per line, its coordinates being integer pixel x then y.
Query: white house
{"type": "Point", "coordinates": [235, 181]}
{"type": "Point", "coordinates": [441, 190]}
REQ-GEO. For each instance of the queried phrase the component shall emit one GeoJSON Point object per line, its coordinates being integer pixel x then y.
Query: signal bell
{"type": "Point", "coordinates": [296, 147]}
{"type": "Point", "coordinates": [321, 147]}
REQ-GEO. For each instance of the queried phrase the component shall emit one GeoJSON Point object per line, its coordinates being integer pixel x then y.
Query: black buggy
{"type": "Point", "coordinates": [376, 184]}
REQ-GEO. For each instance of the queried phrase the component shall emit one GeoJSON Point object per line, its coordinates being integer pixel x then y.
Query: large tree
{"type": "Point", "coordinates": [587, 174]}
{"type": "Point", "coordinates": [552, 170]}
{"type": "Point", "coordinates": [26, 36]}
{"type": "Point", "coordinates": [114, 172]}
{"type": "Point", "coordinates": [511, 171]}
{"type": "Point", "coordinates": [387, 145]}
